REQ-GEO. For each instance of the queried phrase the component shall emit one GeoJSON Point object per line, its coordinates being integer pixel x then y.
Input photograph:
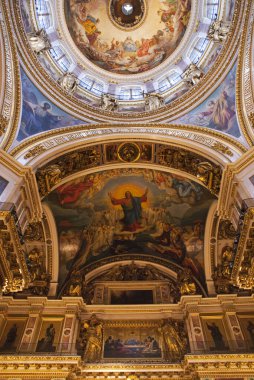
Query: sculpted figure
{"type": "Point", "coordinates": [153, 101]}
{"type": "Point", "coordinates": [53, 175]}
{"type": "Point", "coordinates": [174, 343]}
{"type": "Point", "coordinates": [69, 82]}
{"type": "Point", "coordinates": [192, 75]}
{"type": "Point", "coordinates": [186, 284]}
{"type": "Point", "coordinates": [205, 173]}
{"type": "Point", "coordinates": [218, 30]}
{"type": "Point", "coordinates": [39, 41]}
{"type": "Point", "coordinates": [93, 334]}
{"type": "Point", "coordinates": [108, 102]}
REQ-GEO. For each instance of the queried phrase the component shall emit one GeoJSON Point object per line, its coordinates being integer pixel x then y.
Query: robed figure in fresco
{"type": "Point", "coordinates": [217, 336]}
{"type": "Point", "coordinates": [132, 210]}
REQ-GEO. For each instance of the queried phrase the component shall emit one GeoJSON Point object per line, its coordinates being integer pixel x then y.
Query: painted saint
{"type": "Point", "coordinates": [132, 210]}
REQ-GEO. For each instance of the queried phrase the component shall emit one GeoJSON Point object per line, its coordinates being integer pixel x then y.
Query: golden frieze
{"type": "Point", "coordinates": [207, 172]}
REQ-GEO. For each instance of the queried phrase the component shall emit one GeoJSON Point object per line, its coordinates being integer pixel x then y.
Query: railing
{"type": "Point", "coordinates": [135, 353]}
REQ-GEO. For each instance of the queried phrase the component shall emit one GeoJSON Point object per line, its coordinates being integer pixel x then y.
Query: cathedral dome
{"type": "Point", "coordinates": [127, 37]}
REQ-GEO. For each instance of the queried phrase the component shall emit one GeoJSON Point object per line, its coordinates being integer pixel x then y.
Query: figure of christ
{"type": "Point", "coordinates": [132, 210]}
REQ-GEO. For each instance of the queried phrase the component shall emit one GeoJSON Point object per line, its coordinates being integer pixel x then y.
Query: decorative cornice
{"type": "Point", "coordinates": [203, 136]}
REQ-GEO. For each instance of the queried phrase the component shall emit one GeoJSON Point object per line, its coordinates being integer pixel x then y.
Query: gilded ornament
{"type": "Point", "coordinates": [90, 339]}
{"type": "Point", "coordinates": [186, 283]}
{"type": "Point", "coordinates": [219, 147]}
{"type": "Point", "coordinates": [34, 232]}
{"type": "Point", "coordinates": [3, 124]}
{"type": "Point", "coordinates": [175, 342]}
{"type": "Point", "coordinates": [35, 151]}
{"type": "Point", "coordinates": [128, 152]}
{"type": "Point", "coordinates": [251, 118]}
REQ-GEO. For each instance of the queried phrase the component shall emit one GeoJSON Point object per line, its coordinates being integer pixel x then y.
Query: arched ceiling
{"type": "Point", "coordinates": [66, 137]}
{"type": "Point", "coordinates": [129, 213]}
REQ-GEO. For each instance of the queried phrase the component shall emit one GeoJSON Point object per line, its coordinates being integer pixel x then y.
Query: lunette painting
{"type": "Point", "coordinates": [130, 211]}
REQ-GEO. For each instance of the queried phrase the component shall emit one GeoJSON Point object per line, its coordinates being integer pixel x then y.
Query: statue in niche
{"type": "Point", "coordinates": [39, 41]}
{"type": "Point", "coordinates": [46, 343]}
{"type": "Point", "coordinates": [74, 289]}
{"type": "Point", "coordinates": [192, 75]}
{"type": "Point", "coordinates": [218, 30]}
{"type": "Point", "coordinates": [217, 337]}
{"type": "Point", "coordinates": [68, 82]}
{"type": "Point", "coordinates": [108, 102]}
{"type": "Point", "coordinates": [153, 101]}
{"type": "Point", "coordinates": [78, 287]}
{"type": "Point", "coordinates": [186, 283]}
{"type": "Point", "coordinates": [175, 342]}
{"type": "Point", "coordinates": [91, 340]}
{"type": "Point", "coordinates": [250, 329]}
{"type": "Point", "coordinates": [227, 260]}
{"type": "Point", "coordinates": [10, 338]}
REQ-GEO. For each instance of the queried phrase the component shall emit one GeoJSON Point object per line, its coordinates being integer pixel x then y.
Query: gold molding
{"type": "Point", "coordinates": [40, 138]}
{"type": "Point", "coordinates": [11, 131]}
{"type": "Point", "coordinates": [241, 75]}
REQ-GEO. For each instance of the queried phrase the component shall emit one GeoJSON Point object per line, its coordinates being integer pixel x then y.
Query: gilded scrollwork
{"type": "Point", "coordinates": [3, 124]}
{"type": "Point", "coordinates": [34, 232]}
{"type": "Point", "coordinates": [219, 147]}
{"type": "Point", "coordinates": [207, 172]}
{"type": "Point", "coordinates": [52, 174]}
{"type": "Point", "coordinates": [35, 151]}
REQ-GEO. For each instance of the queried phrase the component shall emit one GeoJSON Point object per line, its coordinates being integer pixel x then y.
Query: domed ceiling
{"type": "Point", "coordinates": [127, 37]}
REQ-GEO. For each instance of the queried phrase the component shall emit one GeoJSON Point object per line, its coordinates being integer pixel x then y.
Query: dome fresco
{"type": "Point", "coordinates": [109, 44]}
{"type": "Point", "coordinates": [147, 50]}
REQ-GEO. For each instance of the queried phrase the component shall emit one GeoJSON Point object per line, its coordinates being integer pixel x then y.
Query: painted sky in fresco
{"type": "Point", "coordinates": [39, 114]}
{"type": "Point", "coordinates": [126, 51]}
{"type": "Point", "coordinates": [218, 111]}
{"type": "Point", "coordinates": [94, 225]}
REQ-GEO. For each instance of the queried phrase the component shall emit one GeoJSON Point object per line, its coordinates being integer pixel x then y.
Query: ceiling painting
{"type": "Point", "coordinates": [39, 114]}
{"type": "Point", "coordinates": [130, 211]}
{"type": "Point", "coordinates": [119, 50]}
{"type": "Point", "coordinates": [218, 111]}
